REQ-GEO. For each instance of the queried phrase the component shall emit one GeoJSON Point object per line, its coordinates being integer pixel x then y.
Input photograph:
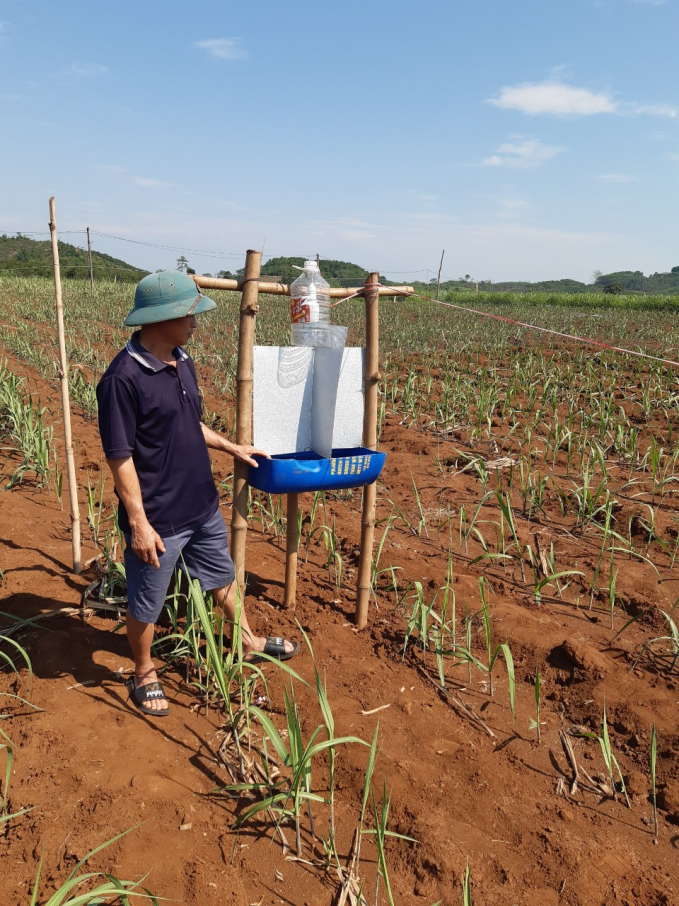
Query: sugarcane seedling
{"type": "Point", "coordinates": [109, 889]}
{"type": "Point", "coordinates": [367, 787]}
{"type": "Point", "coordinates": [422, 523]}
{"type": "Point", "coordinates": [612, 578]}
{"type": "Point", "coordinates": [610, 759]}
{"type": "Point", "coordinates": [485, 610]}
{"type": "Point", "coordinates": [380, 832]}
{"type": "Point", "coordinates": [672, 639]}
{"type": "Point", "coordinates": [505, 650]}
{"type": "Point", "coordinates": [467, 887]}
{"type": "Point", "coordinates": [535, 724]}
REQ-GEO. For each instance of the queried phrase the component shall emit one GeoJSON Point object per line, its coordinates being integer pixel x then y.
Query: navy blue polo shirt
{"type": "Point", "coordinates": [151, 411]}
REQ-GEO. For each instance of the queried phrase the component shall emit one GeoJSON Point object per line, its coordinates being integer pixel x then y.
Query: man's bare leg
{"type": "Point", "coordinates": [226, 598]}
{"type": "Point", "coordinates": [140, 636]}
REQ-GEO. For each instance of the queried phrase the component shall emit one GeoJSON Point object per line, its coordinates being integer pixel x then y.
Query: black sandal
{"type": "Point", "coordinates": [142, 694]}
{"type": "Point", "coordinates": [275, 649]}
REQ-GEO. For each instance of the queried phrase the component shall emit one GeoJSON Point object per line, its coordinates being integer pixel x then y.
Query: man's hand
{"type": "Point", "coordinates": [146, 542]}
{"type": "Point", "coordinates": [242, 452]}
{"type": "Point", "coordinates": [245, 452]}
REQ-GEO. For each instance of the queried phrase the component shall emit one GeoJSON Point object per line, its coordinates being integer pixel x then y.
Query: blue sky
{"type": "Point", "coordinates": [531, 139]}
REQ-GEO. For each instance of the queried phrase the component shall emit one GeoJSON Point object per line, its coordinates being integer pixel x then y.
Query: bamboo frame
{"type": "Point", "coordinates": [246, 342]}
{"type": "Point", "coordinates": [65, 398]}
{"type": "Point", "coordinates": [291, 551]}
{"type": "Point", "coordinates": [371, 380]}
{"type": "Point", "coordinates": [250, 287]}
{"type": "Point", "coordinates": [282, 289]}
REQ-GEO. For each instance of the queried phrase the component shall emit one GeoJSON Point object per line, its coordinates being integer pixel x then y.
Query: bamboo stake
{"type": "Point", "coordinates": [372, 376]}
{"type": "Point", "coordinates": [282, 289]}
{"type": "Point", "coordinates": [65, 400]}
{"type": "Point", "coordinates": [438, 279]}
{"type": "Point", "coordinates": [246, 341]}
{"type": "Point", "coordinates": [89, 258]}
{"type": "Point", "coordinates": [291, 548]}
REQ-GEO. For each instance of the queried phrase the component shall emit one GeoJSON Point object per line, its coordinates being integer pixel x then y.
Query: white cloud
{"type": "Point", "coordinates": [113, 169]}
{"type": "Point", "coordinates": [559, 99]}
{"type": "Point", "coordinates": [523, 155]}
{"type": "Point", "coordinates": [672, 155]}
{"type": "Point", "coordinates": [513, 208]}
{"type": "Point", "coordinates": [223, 48]}
{"type": "Point", "coordinates": [116, 171]}
{"type": "Point", "coordinates": [343, 228]}
{"type": "Point", "coordinates": [151, 183]}
{"type": "Point", "coordinates": [86, 69]}
{"type": "Point", "coordinates": [555, 98]}
{"type": "Point", "coordinates": [617, 177]}
{"type": "Point", "coordinates": [651, 109]}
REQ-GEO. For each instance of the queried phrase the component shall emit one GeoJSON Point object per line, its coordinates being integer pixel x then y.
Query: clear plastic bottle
{"type": "Point", "coordinates": [310, 308]}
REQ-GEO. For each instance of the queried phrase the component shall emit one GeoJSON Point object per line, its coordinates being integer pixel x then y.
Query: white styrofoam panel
{"type": "Point", "coordinates": [282, 386]}
{"type": "Point", "coordinates": [324, 397]}
{"type": "Point", "coordinates": [348, 427]}
{"type": "Point", "coordinates": [285, 403]}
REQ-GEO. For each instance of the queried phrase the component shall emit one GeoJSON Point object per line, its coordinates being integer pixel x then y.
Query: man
{"type": "Point", "coordinates": [157, 449]}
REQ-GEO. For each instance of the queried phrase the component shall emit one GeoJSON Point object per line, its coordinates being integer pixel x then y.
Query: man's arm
{"type": "Point", "coordinates": [146, 542]}
{"type": "Point", "coordinates": [243, 452]}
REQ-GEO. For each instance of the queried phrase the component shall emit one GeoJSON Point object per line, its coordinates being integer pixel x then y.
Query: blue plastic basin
{"type": "Point", "coordinates": [289, 473]}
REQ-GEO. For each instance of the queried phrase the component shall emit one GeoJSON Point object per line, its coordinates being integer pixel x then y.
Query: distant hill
{"type": "Point", "coordinates": [344, 273]}
{"type": "Point", "coordinates": [337, 273]}
{"type": "Point", "coordinates": [627, 282]}
{"type": "Point", "coordinates": [27, 257]}
{"type": "Point", "coordinates": [24, 256]}
{"type": "Point", "coordinates": [636, 282]}
{"type": "Point", "coordinates": [551, 286]}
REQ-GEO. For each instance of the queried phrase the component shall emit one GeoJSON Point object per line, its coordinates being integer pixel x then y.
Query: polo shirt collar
{"type": "Point", "coordinates": [147, 359]}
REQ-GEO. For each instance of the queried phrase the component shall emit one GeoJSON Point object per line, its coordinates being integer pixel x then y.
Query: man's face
{"type": "Point", "coordinates": [179, 331]}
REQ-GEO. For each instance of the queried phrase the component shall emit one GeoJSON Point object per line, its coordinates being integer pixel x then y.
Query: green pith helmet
{"type": "Point", "coordinates": [164, 296]}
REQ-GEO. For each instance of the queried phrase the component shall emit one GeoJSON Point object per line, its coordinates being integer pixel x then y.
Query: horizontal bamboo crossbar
{"type": "Point", "coordinates": [282, 289]}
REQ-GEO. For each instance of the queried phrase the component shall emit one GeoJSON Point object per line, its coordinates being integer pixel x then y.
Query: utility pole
{"type": "Point", "coordinates": [89, 258]}
{"type": "Point", "coordinates": [438, 281]}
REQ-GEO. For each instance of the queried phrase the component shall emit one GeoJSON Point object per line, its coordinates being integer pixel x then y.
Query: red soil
{"type": "Point", "coordinates": [91, 766]}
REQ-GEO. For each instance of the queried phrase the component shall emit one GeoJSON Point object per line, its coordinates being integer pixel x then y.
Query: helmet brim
{"type": "Point", "coordinates": [167, 311]}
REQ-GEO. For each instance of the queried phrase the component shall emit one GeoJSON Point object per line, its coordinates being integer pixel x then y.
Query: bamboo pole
{"type": "Point", "coordinates": [246, 341]}
{"type": "Point", "coordinates": [65, 400]}
{"type": "Point", "coordinates": [89, 258]}
{"type": "Point", "coordinates": [438, 279]}
{"type": "Point", "coordinates": [282, 289]}
{"type": "Point", "coordinates": [291, 549]}
{"type": "Point", "coordinates": [371, 380]}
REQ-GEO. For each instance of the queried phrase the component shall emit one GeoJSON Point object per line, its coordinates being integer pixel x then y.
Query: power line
{"type": "Point", "coordinates": [175, 248]}
{"type": "Point", "coordinates": [130, 268]}
{"type": "Point", "coordinates": [170, 248]}
{"type": "Point", "coordinates": [18, 234]}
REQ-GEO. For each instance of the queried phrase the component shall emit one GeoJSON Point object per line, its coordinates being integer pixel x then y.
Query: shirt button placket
{"type": "Point", "coordinates": [180, 389]}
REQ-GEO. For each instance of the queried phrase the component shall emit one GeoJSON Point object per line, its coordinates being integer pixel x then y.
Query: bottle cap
{"type": "Point", "coordinates": [310, 265]}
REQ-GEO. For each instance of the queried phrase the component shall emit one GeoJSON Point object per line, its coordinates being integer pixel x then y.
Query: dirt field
{"type": "Point", "coordinates": [468, 784]}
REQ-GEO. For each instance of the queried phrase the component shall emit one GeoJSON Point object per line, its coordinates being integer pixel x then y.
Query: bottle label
{"type": "Point", "coordinates": [299, 311]}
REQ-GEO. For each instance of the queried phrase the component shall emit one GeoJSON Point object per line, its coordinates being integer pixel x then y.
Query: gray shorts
{"type": "Point", "coordinates": [202, 552]}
